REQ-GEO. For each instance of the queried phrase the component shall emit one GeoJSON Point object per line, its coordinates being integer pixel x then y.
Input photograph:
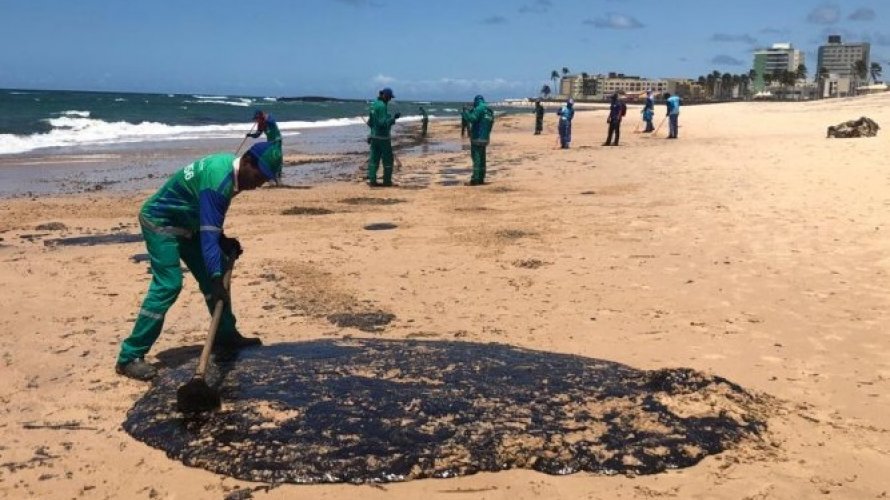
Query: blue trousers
{"type": "Point", "coordinates": [674, 125]}
{"type": "Point", "coordinates": [565, 133]}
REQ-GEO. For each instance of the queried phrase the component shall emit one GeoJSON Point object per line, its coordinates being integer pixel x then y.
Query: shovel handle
{"type": "Point", "coordinates": [214, 325]}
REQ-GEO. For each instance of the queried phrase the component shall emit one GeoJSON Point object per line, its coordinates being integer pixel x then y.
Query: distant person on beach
{"type": "Point", "coordinates": [424, 121]}
{"type": "Point", "coordinates": [480, 120]}
{"type": "Point", "coordinates": [566, 114]}
{"type": "Point", "coordinates": [617, 110]}
{"type": "Point", "coordinates": [265, 124]}
{"type": "Point", "coordinates": [539, 117]}
{"type": "Point", "coordinates": [649, 112]}
{"type": "Point", "coordinates": [183, 221]}
{"type": "Point", "coordinates": [380, 123]}
{"type": "Point", "coordinates": [673, 114]}
{"type": "Point", "coordinates": [464, 126]}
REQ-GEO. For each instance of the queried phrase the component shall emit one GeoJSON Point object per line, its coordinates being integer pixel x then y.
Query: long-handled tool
{"type": "Point", "coordinates": [659, 126]}
{"type": "Point", "coordinates": [244, 140]}
{"type": "Point", "coordinates": [195, 395]}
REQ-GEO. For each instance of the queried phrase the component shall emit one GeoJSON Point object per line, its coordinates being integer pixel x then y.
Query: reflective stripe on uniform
{"type": "Point", "coordinates": [211, 228]}
{"type": "Point", "coordinates": [152, 315]}
{"type": "Point", "coordinates": [169, 230]}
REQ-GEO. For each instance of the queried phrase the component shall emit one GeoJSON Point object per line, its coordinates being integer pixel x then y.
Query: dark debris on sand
{"type": "Point", "coordinates": [366, 322]}
{"type": "Point", "coordinates": [377, 411]}
{"type": "Point", "coordinates": [306, 211]}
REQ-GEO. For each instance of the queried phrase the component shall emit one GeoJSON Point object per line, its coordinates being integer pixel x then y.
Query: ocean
{"type": "Point", "coordinates": [69, 141]}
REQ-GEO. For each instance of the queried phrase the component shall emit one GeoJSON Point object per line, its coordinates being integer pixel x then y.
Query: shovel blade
{"type": "Point", "coordinates": [196, 396]}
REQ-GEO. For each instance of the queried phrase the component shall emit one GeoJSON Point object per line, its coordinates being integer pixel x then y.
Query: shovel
{"type": "Point", "coordinates": [196, 396]}
{"type": "Point", "coordinates": [244, 140]}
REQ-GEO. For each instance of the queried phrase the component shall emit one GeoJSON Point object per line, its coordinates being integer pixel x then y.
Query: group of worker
{"type": "Point", "coordinates": [617, 112]}
{"type": "Point", "coordinates": [478, 119]}
{"type": "Point", "coordinates": [183, 220]}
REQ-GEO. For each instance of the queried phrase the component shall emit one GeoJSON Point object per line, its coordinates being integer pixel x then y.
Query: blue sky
{"type": "Point", "coordinates": [424, 49]}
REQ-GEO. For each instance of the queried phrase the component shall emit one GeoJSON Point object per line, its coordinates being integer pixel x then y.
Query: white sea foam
{"type": "Point", "coordinates": [78, 131]}
{"type": "Point", "coordinates": [218, 97]}
{"type": "Point", "coordinates": [242, 102]}
{"type": "Point", "coordinates": [76, 113]}
{"type": "Point", "coordinates": [270, 99]}
{"type": "Point", "coordinates": [120, 99]}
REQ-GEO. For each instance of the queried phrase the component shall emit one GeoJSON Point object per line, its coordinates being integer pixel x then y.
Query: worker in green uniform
{"type": "Point", "coordinates": [380, 123]}
{"type": "Point", "coordinates": [424, 122]}
{"type": "Point", "coordinates": [539, 117]}
{"type": "Point", "coordinates": [481, 120]}
{"type": "Point", "coordinates": [265, 124]}
{"type": "Point", "coordinates": [184, 220]}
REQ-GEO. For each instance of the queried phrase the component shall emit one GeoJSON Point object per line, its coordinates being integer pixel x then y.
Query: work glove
{"type": "Point", "coordinates": [218, 291]}
{"type": "Point", "coordinates": [231, 247]}
{"type": "Point", "coordinates": [397, 116]}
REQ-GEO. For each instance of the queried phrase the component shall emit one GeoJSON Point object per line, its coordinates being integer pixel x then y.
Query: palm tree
{"type": "Point", "coordinates": [545, 91]}
{"type": "Point", "coordinates": [725, 85]}
{"type": "Point", "coordinates": [860, 71]}
{"type": "Point", "coordinates": [745, 81]}
{"type": "Point", "coordinates": [876, 71]}
{"type": "Point", "coordinates": [554, 76]}
{"type": "Point", "coordinates": [565, 71]}
{"type": "Point", "coordinates": [801, 71]}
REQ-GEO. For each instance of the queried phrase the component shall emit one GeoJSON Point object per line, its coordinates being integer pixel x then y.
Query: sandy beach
{"type": "Point", "coordinates": [752, 248]}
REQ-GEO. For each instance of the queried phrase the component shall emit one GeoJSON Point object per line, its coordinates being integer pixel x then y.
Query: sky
{"type": "Point", "coordinates": [423, 49]}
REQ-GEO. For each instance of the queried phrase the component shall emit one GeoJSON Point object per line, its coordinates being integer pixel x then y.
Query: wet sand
{"type": "Point", "coordinates": [752, 248]}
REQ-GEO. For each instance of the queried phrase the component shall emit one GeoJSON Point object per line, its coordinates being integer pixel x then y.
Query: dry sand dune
{"type": "Point", "coordinates": [752, 248]}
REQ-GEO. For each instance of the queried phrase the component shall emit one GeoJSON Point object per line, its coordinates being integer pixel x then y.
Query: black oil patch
{"type": "Point", "coordinates": [367, 410]}
{"type": "Point", "coordinates": [51, 226]}
{"type": "Point", "coordinates": [367, 322]}
{"type": "Point", "coordinates": [451, 183]}
{"type": "Point", "coordinates": [380, 226]}
{"type": "Point", "coordinates": [99, 239]}
{"type": "Point", "coordinates": [306, 211]}
{"type": "Point", "coordinates": [530, 263]}
{"type": "Point", "coordinates": [372, 201]}
{"type": "Point", "coordinates": [140, 257]}
{"type": "Point", "coordinates": [586, 193]}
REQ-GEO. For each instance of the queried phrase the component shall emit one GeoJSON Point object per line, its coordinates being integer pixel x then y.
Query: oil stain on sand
{"type": "Point", "coordinates": [366, 410]}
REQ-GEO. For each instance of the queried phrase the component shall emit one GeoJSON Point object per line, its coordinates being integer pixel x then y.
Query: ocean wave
{"type": "Point", "coordinates": [242, 102]}
{"type": "Point", "coordinates": [270, 99]}
{"type": "Point", "coordinates": [218, 97]}
{"type": "Point", "coordinates": [76, 113]}
{"type": "Point", "coordinates": [120, 99]}
{"type": "Point", "coordinates": [74, 131]}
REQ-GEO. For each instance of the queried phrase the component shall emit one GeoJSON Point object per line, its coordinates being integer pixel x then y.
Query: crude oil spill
{"type": "Point", "coordinates": [367, 322]}
{"type": "Point", "coordinates": [380, 226]}
{"type": "Point", "coordinates": [451, 183]}
{"type": "Point", "coordinates": [101, 239]}
{"type": "Point", "coordinates": [375, 411]}
{"type": "Point", "coordinates": [140, 257]}
{"type": "Point", "coordinates": [306, 211]}
{"type": "Point", "coordinates": [372, 201]}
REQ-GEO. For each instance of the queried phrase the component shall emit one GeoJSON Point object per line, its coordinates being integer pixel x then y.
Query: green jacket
{"type": "Point", "coordinates": [481, 120]}
{"type": "Point", "coordinates": [194, 201]}
{"type": "Point", "coordinates": [379, 120]}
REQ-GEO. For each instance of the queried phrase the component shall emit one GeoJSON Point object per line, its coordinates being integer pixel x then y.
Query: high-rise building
{"type": "Point", "coordinates": [772, 61]}
{"type": "Point", "coordinates": [839, 59]}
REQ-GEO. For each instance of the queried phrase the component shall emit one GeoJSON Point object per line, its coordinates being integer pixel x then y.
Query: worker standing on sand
{"type": "Point", "coordinates": [183, 220]}
{"type": "Point", "coordinates": [380, 123]}
{"type": "Point", "coordinates": [539, 117]}
{"type": "Point", "coordinates": [481, 120]}
{"type": "Point", "coordinates": [566, 115]}
{"type": "Point", "coordinates": [265, 124]}
{"type": "Point", "coordinates": [673, 113]}
{"type": "Point", "coordinates": [617, 110]}
{"type": "Point", "coordinates": [424, 122]}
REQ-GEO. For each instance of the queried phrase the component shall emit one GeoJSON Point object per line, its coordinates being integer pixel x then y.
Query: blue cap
{"type": "Point", "coordinates": [478, 99]}
{"type": "Point", "coordinates": [387, 92]}
{"type": "Point", "coordinates": [268, 158]}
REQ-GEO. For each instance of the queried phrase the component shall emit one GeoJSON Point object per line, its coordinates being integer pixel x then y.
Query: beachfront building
{"type": "Point", "coordinates": [779, 58]}
{"type": "Point", "coordinates": [837, 66]}
{"type": "Point", "coordinates": [599, 87]}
